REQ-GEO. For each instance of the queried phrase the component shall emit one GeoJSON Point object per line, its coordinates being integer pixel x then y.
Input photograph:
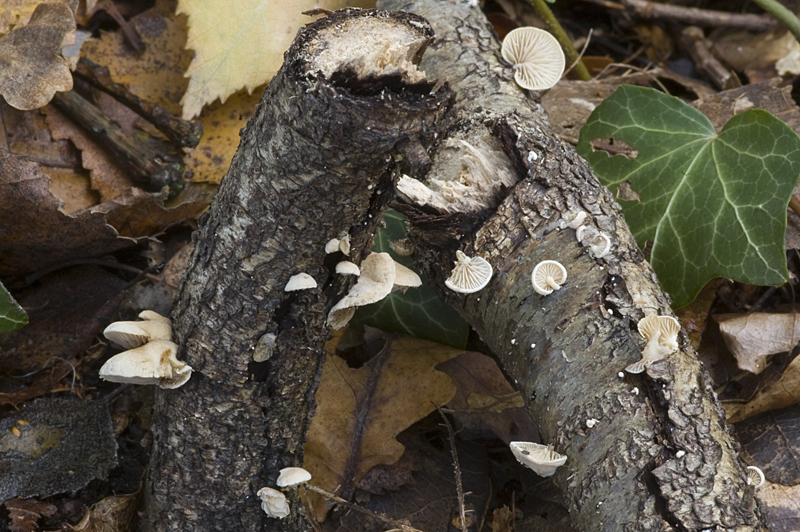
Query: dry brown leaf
{"type": "Point", "coordinates": [24, 514]}
{"type": "Point", "coordinates": [42, 234]}
{"type": "Point", "coordinates": [107, 177]}
{"type": "Point", "coordinates": [16, 12]}
{"type": "Point", "coordinates": [112, 514]}
{"type": "Point", "coordinates": [753, 337]}
{"type": "Point", "coordinates": [783, 506]}
{"type": "Point", "coordinates": [33, 71]}
{"type": "Point", "coordinates": [485, 396]}
{"type": "Point", "coordinates": [783, 392]}
{"type": "Point", "coordinates": [360, 411]}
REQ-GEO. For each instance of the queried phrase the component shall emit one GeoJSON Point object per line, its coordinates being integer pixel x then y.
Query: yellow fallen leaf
{"type": "Point", "coordinates": [32, 68]}
{"type": "Point", "coordinates": [157, 74]}
{"type": "Point", "coordinates": [240, 43]}
{"type": "Point", "coordinates": [360, 411]}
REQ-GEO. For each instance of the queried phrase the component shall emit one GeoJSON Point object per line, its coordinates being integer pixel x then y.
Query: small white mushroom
{"type": "Point", "coordinates": [404, 278]}
{"type": "Point", "coordinates": [332, 246]}
{"type": "Point", "coordinates": [153, 363]}
{"type": "Point", "coordinates": [344, 245]}
{"type": "Point", "coordinates": [347, 268]}
{"type": "Point", "coordinates": [601, 246]}
{"type": "Point", "coordinates": [542, 459]}
{"type": "Point", "coordinates": [292, 476]}
{"type": "Point", "coordinates": [264, 348]}
{"type": "Point", "coordinates": [130, 334]}
{"type": "Point", "coordinates": [301, 281]}
{"type": "Point", "coordinates": [661, 333]}
{"type": "Point", "coordinates": [755, 477]}
{"type": "Point", "coordinates": [591, 422]}
{"type": "Point", "coordinates": [548, 276]}
{"type": "Point", "coordinates": [536, 56]}
{"type": "Point", "coordinates": [575, 219]}
{"type": "Point", "coordinates": [378, 273]}
{"type": "Point", "coordinates": [273, 502]}
{"type": "Point", "coordinates": [469, 275]}
{"type": "Point", "coordinates": [579, 232]}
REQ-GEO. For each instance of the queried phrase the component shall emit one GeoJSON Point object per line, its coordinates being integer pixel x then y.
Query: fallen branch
{"type": "Point", "coordinates": [645, 452]}
{"type": "Point", "coordinates": [315, 163]}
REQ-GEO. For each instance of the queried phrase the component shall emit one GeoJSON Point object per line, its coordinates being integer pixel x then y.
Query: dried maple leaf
{"type": "Point", "coordinates": [360, 411]}
{"type": "Point", "coordinates": [31, 68]}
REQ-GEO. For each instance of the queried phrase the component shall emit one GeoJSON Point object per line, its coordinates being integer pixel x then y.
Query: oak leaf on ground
{"type": "Point", "coordinates": [360, 411]}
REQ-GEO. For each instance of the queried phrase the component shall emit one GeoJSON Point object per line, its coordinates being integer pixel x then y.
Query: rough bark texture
{"type": "Point", "coordinates": [314, 163]}
{"type": "Point", "coordinates": [660, 456]}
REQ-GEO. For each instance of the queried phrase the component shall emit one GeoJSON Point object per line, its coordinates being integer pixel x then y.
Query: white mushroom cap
{"type": "Point", "coordinates": [542, 459]}
{"type": "Point", "coordinates": [347, 268]}
{"type": "Point", "coordinates": [469, 275]}
{"type": "Point", "coordinates": [273, 502]}
{"type": "Point", "coordinates": [536, 56]}
{"type": "Point", "coordinates": [153, 363]}
{"type": "Point", "coordinates": [548, 276]}
{"type": "Point", "coordinates": [405, 278]}
{"type": "Point", "coordinates": [291, 476]}
{"type": "Point", "coordinates": [130, 334]}
{"type": "Point", "coordinates": [301, 281]}
{"type": "Point", "coordinates": [344, 245]}
{"type": "Point", "coordinates": [661, 333]}
{"type": "Point", "coordinates": [755, 477]}
{"type": "Point", "coordinates": [378, 273]}
{"type": "Point", "coordinates": [332, 246]}
{"type": "Point", "coordinates": [601, 246]}
{"type": "Point", "coordinates": [574, 220]}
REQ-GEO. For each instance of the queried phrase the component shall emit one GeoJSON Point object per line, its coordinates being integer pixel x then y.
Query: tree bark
{"type": "Point", "coordinates": [316, 162]}
{"type": "Point", "coordinates": [659, 455]}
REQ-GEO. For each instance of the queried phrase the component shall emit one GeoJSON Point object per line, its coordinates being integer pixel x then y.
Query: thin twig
{"type": "Point", "coordinates": [403, 525]}
{"type": "Point", "coordinates": [700, 17]}
{"type": "Point", "coordinates": [580, 55]}
{"type": "Point", "coordinates": [542, 9]}
{"type": "Point", "coordinates": [459, 488]}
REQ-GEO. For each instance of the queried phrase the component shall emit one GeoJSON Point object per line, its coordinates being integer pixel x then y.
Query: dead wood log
{"type": "Point", "coordinates": [659, 455]}
{"type": "Point", "coordinates": [314, 163]}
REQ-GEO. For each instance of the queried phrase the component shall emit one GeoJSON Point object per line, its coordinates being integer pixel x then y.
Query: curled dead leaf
{"type": "Point", "coordinates": [31, 69]}
{"type": "Point", "coordinates": [753, 337]}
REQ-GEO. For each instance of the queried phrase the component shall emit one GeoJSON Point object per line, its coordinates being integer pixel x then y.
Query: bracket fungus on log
{"type": "Point", "coordinates": [536, 56]}
{"type": "Point", "coordinates": [542, 459]}
{"type": "Point", "coordinates": [130, 334]}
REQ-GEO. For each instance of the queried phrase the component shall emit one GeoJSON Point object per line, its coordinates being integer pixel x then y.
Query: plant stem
{"type": "Point", "coordinates": [783, 14]}
{"type": "Point", "coordinates": [558, 32]}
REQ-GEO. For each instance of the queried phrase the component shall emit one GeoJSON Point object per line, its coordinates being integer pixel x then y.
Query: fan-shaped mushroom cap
{"type": "Point", "coordinates": [347, 268]}
{"type": "Point", "coordinates": [153, 363]}
{"type": "Point", "coordinates": [536, 56]}
{"type": "Point", "coordinates": [548, 276]}
{"type": "Point", "coordinates": [377, 277]}
{"type": "Point", "coordinates": [661, 333]}
{"type": "Point", "coordinates": [273, 502]}
{"type": "Point", "coordinates": [574, 220]}
{"type": "Point", "coordinates": [469, 275]}
{"type": "Point", "coordinates": [601, 246]}
{"type": "Point", "coordinates": [405, 278]}
{"type": "Point", "coordinates": [130, 334]}
{"type": "Point", "coordinates": [291, 476]}
{"type": "Point", "coordinates": [755, 477]}
{"type": "Point", "coordinates": [542, 459]}
{"type": "Point", "coordinates": [332, 246]}
{"type": "Point", "coordinates": [301, 281]}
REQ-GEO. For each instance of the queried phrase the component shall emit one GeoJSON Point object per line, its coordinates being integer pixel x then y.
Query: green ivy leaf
{"type": "Point", "coordinates": [713, 205]}
{"type": "Point", "coordinates": [419, 311]}
{"type": "Point", "coordinates": [12, 317]}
